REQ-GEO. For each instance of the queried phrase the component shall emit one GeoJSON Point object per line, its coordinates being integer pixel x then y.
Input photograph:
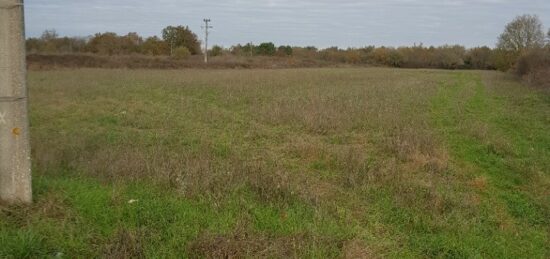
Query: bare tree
{"type": "Point", "coordinates": [49, 35]}
{"type": "Point", "coordinates": [524, 32]}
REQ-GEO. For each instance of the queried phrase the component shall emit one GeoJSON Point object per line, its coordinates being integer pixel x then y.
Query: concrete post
{"type": "Point", "coordinates": [206, 27]}
{"type": "Point", "coordinates": [15, 164]}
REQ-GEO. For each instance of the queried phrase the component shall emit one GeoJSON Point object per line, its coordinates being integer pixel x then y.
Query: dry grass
{"type": "Point", "coordinates": [266, 118]}
{"type": "Point", "coordinates": [138, 61]}
{"type": "Point", "coordinates": [356, 163]}
{"type": "Point", "coordinates": [241, 244]}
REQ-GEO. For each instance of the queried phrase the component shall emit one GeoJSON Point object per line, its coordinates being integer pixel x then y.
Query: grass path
{"type": "Point", "coordinates": [487, 139]}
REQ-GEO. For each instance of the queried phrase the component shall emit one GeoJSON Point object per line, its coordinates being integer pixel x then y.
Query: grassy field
{"type": "Point", "coordinates": [309, 163]}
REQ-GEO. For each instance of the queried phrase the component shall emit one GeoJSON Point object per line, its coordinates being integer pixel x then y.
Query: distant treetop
{"type": "Point", "coordinates": [524, 32]}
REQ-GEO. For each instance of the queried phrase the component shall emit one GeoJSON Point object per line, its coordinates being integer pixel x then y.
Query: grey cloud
{"type": "Point", "coordinates": [322, 23]}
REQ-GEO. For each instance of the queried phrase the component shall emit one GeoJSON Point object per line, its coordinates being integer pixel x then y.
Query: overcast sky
{"type": "Point", "coordinates": [322, 23]}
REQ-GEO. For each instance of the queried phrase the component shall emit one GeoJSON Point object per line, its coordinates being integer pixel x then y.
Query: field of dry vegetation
{"type": "Point", "coordinates": [315, 163]}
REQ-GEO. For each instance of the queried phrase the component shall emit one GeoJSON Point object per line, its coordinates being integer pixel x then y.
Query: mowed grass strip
{"type": "Point", "coordinates": [284, 163]}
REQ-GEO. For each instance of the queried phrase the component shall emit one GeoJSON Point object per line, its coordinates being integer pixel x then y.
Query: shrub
{"type": "Point", "coordinates": [353, 56]}
{"type": "Point", "coordinates": [333, 54]}
{"type": "Point", "coordinates": [181, 53]}
{"type": "Point", "coordinates": [534, 66]}
{"type": "Point", "coordinates": [503, 60]}
{"type": "Point", "coordinates": [395, 58]}
{"type": "Point", "coordinates": [154, 46]}
{"type": "Point", "coordinates": [416, 57]}
{"type": "Point", "coordinates": [479, 58]}
{"type": "Point", "coordinates": [216, 51]}
{"type": "Point", "coordinates": [105, 44]}
{"type": "Point", "coordinates": [380, 56]}
{"type": "Point", "coordinates": [449, 57]}
{"type": "Point", "coordinates": [284, 51]}
{"type": "Point", "coordinates": [307, 52]}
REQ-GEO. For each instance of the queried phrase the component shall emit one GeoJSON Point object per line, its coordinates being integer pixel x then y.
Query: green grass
{"type": "Point", "coordinates": [314, 163]}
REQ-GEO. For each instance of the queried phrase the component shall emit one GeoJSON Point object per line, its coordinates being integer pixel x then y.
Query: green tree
{"type": "Point", "coordinates": [181, 36]}
{"type": "Point", "coordinates": [266, 49]}
{"type": "Point", "coordinates": [523, 33]}
{"type": "Point", "coordinates": [216, 51]}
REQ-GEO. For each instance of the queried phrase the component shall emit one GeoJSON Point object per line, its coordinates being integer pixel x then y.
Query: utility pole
{"type": "Point", "coordinates": [15, 161]}
{"type": "Point", "coordinates": [206, 27]}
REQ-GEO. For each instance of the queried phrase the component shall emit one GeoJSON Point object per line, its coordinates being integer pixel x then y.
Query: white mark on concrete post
{"type": "Point", "coordinates": [3, 118]}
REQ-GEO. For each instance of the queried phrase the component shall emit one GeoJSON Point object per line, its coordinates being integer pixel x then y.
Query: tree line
{"type": "Point", "coordinates": [175, 41]}
{"type": "Point", "coordinates": [520, 39]}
